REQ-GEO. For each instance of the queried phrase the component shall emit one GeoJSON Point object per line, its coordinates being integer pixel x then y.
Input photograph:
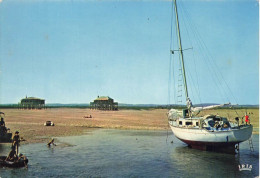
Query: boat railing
{"type": "Point", "coordinates": [241, 126]}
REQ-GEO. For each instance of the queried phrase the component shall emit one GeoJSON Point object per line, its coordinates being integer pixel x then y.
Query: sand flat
{"type": "Point", "coordinates": [71, 121]}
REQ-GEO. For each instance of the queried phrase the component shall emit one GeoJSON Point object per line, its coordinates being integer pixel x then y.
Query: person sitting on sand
{"type": "Point", "coordinates": [51, 142]}
{"type": "Point", "coordinates": [12, 156]}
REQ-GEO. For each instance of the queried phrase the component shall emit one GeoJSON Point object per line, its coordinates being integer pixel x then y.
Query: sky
{"type": "Point", "coordinates": [72, 51]}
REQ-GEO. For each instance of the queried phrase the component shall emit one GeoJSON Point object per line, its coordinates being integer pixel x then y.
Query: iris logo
{"type": "Point", "coordinates": [245, 167]}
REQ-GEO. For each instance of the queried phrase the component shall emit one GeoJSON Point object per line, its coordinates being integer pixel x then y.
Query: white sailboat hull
{"type": "Point", "coordinates": [201, 138]}
{"type": "Point", "coordinates": [203, 132]}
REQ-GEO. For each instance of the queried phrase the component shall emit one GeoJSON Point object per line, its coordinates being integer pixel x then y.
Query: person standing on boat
{"type": "Point", "coordinates": [3, 129]}
{"type": "Point", "coordinates": [247, 119]}
{"type": "Point", "coordinates": [189, 105]}
{"type": "Point", "coordinates": [2, 122]}
{"type": "Point", "coordinates": [16, 141]}
{"type": "Point", "coordinates": [12, 156]}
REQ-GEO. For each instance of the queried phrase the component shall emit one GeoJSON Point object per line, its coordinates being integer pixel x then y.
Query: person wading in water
{"type": "Point", "coordinates": [51, 142]}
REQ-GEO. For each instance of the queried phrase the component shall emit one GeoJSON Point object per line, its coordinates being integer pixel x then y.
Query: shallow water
{"type": "Point", "coordinates": [130, 153]}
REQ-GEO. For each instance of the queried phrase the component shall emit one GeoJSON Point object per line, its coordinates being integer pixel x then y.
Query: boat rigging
{"type": "Point", "coordinates": [208, 132]}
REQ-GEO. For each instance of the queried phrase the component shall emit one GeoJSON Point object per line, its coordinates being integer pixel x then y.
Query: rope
{"type": "Point", "coordinates": [195, 88]}
{"type": "Point", "coordinates": [220, 82]}
{"type": "Point", "coordinates": [167, 133]}
{"type": "Point", "coordinates": [200, 43]}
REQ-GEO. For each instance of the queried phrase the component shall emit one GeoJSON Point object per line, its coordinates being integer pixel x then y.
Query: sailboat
{"type": "Point", "coordinates": [209, 132]}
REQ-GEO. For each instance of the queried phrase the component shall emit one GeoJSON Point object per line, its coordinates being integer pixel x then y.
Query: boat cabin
{"type": "Point", "coordinates": [215, 122]}
{"type": "Point", "coordinates": [188, 122]}
{"type": "Point", "coordinates": [209, 122]}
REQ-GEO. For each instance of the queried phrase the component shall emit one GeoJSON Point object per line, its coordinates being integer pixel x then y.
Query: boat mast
{"type": "Point", "coordinates": [182, 60]}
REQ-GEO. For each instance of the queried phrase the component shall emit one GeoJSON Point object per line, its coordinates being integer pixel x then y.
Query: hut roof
{"type": "Point", "coordinates": [103, 98]}
{"type": "Point", "coordinates": [32, 98]}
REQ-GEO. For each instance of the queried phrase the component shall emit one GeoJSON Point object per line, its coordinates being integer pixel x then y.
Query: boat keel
{"type": "Point", "coordinates": [212, 146]}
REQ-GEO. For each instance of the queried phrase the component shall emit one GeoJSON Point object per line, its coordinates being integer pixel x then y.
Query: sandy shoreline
{"type": "Point", "coordinates": [71, 121]}
{"type": "Point", "coordinates": [30, 123]}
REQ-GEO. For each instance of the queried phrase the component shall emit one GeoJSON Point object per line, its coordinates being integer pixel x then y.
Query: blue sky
{"type": "Point", "coordinates": [73, 51]}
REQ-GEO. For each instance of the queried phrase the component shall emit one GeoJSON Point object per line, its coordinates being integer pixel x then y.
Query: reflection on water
{"type": "Point", "coordinates": [128, 153]}
{"type": "Point", "coordinates": [196, 163]}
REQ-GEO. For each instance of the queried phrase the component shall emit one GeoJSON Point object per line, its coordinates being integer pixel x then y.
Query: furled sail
{"type": "Point", "coordinates": [196, 110]}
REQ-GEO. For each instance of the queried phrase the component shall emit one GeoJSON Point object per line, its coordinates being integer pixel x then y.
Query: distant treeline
{"type": "Point", "coordinates": [131, 106]}
{"type": "Point", "coordinates": [16, 106]}
{"type": "Point", "coordinates": [85, 106]}
{"type": "Point", "coordinates": [8, 105]}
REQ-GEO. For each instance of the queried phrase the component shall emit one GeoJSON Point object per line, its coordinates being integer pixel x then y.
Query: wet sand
{"type": "Point", "coordinates": [71, 121]}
